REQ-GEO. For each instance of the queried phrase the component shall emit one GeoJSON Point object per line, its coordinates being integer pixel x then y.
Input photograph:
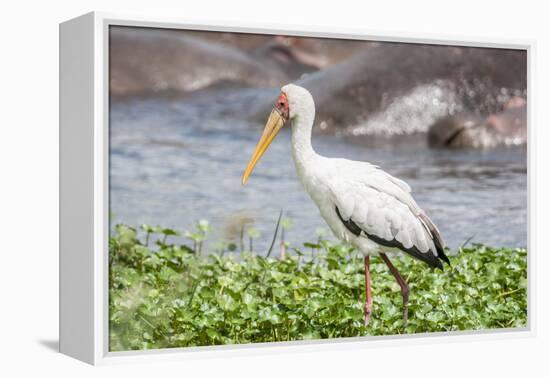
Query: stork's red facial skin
{"type": "Point", "coordinates": [282, 106]}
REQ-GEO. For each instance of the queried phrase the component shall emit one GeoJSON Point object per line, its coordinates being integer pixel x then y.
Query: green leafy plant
{"type": "Point", "coordinates": [168, 295]}
{"type": "Point", "coordinates": [199, 235]}
{"type": "Point", "coordinates": [286, 224]}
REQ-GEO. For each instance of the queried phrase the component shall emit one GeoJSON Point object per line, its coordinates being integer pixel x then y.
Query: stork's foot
{"type": "Point", "coordinates": [405, 313]}
{"type": "Point", "coordinates": [402, 284]}
{"type": "Point", "coordinates": [368, 293]}
{"type": "Point", "coordinates": [405, 293]}
{"type": "Point", "coordinates": [368, 313]}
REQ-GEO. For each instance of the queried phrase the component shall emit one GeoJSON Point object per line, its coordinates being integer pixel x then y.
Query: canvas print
{"type": "Point", "coordinates": [272, 188]}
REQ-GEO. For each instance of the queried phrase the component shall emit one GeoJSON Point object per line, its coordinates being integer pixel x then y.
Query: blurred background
{"type": "Point", "coordinates": [187, 108]}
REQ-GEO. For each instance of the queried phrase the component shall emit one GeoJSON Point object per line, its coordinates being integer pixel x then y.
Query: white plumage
{"type": "Point", "coordinates": [362, 204]}
{"type": "Point", "coordinates": [378, 203]}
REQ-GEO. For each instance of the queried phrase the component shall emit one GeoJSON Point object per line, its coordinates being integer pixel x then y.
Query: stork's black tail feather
{"type": "Point", "coordinates": [436, 236]}
{"type": "Point", "coordinates": [441, 252]}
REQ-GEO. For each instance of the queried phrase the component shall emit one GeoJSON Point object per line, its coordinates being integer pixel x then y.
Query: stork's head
{"type": "Point", "coordinates": [292, 102]}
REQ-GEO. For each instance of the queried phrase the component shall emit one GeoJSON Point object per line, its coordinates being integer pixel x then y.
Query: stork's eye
{"type": "Point", "coordinates": [282, 104]}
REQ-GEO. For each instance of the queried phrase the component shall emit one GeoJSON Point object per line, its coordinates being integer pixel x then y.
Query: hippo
{"type": "Point", "coordinates": [480, 80]}
{"type": "Point", "coordinates": [145, 60]}
{"type": "Point", "coordinates": [360, 87]}
{"type": "Point", "coordinates": [149, 60]}
{"type": "Point", "coordinates": [468, 130]}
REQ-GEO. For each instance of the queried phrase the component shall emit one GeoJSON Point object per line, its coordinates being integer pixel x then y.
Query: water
{"type": "Point", "coordinates": [175, 161]}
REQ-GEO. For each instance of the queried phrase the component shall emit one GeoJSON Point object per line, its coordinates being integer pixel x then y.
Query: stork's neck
{"type": "Point", "coordinates": [302, 151]}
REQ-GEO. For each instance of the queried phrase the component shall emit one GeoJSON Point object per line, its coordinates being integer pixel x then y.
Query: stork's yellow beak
{"type": "Point", "coordinates": [274, 124]}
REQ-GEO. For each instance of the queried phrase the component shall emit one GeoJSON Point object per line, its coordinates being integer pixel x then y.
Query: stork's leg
{"type": "Point", "coordinates": [402, 283]}
{"type": "Point", "coordinates": [368, 292]}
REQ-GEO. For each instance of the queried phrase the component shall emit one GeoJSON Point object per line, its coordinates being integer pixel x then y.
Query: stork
{"type": "Point", "coordinates": [362, 204]}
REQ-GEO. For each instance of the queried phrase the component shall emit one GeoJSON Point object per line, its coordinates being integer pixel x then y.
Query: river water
{"type": "Point", "coordinates": [174, 161]}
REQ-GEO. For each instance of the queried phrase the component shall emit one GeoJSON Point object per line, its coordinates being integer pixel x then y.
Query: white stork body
{"type": "Point", "coordinates": [379, 204]}
{"type": "Point", "coordinates": [362, 204]}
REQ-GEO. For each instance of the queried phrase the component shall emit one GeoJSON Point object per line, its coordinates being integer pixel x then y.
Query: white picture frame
{"type": "Point", "coordinates": [84, 192]}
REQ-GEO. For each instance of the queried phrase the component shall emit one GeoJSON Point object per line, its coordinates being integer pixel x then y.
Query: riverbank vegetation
{"type": "Point", "coordinates": [164, 292]}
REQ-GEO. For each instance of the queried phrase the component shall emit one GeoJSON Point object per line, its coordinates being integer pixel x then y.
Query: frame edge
{"type": "Point", "coordinates": [76, 183]}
